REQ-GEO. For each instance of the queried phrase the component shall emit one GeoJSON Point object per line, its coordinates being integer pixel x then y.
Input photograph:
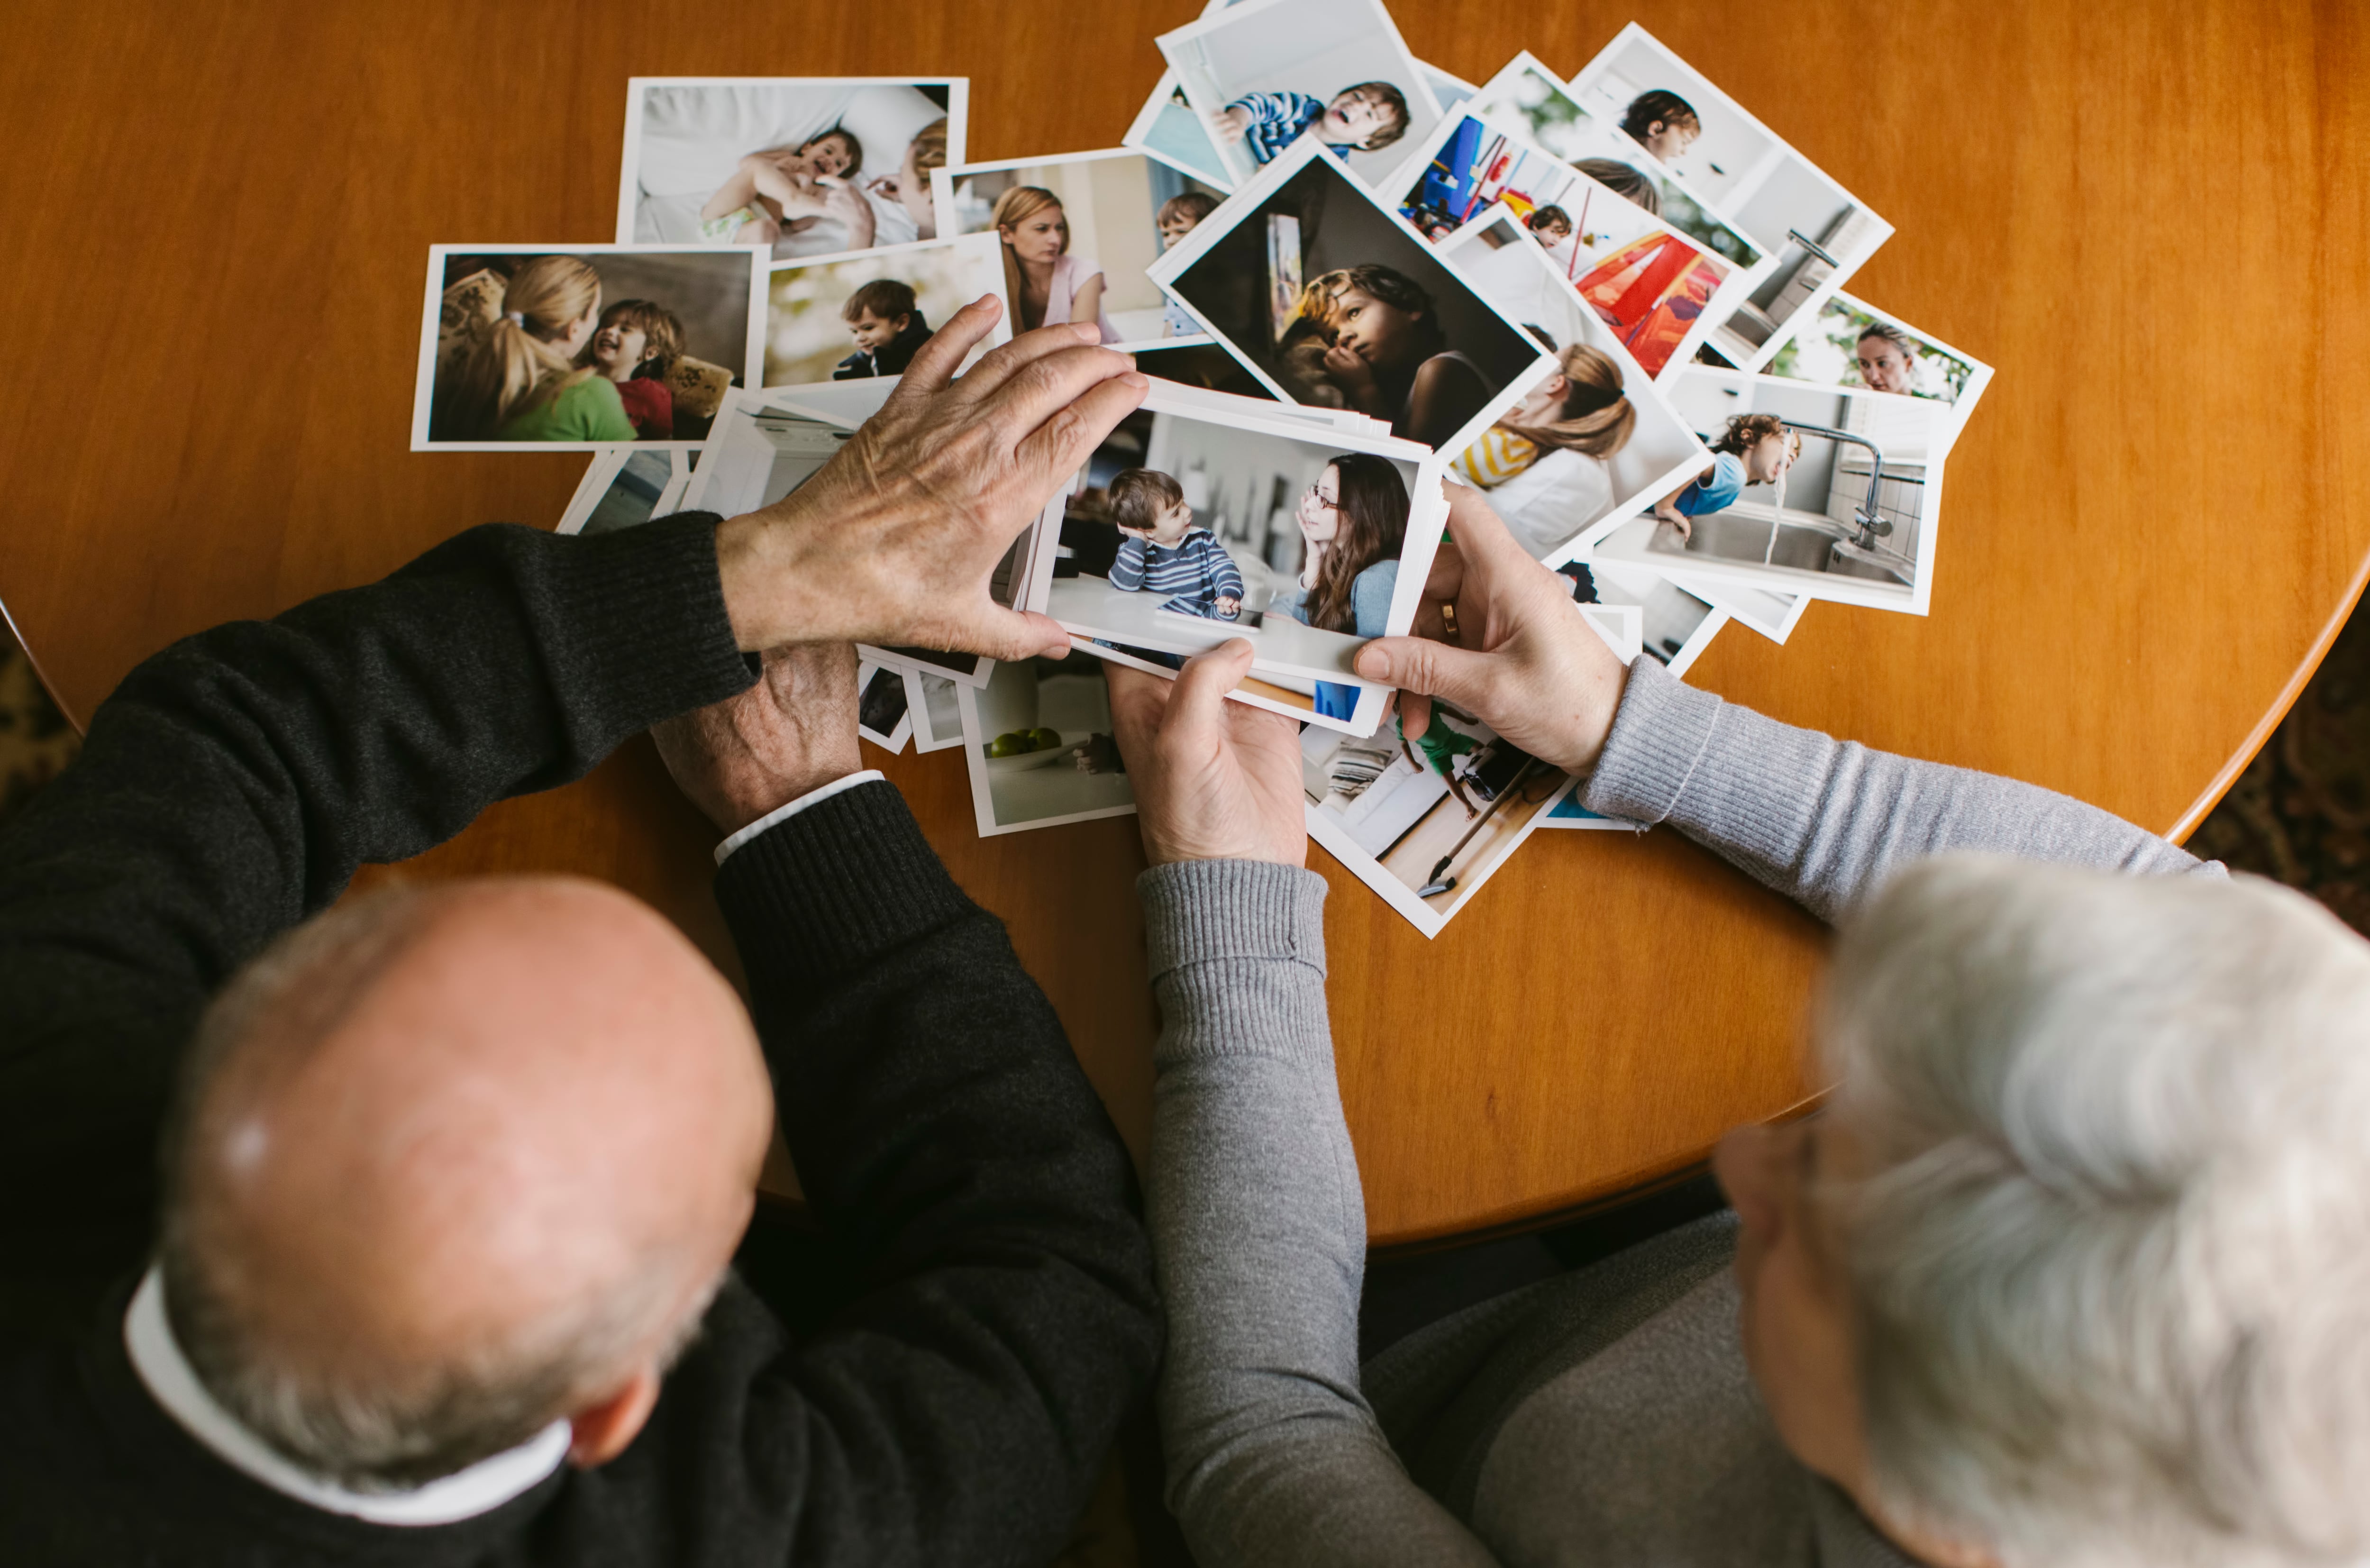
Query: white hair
{"type": "Point", "coordinates": [2107, 1231]}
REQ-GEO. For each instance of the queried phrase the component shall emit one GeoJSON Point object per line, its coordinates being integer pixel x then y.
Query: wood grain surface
{"type": "Point", "coordinates": [2149, 218]}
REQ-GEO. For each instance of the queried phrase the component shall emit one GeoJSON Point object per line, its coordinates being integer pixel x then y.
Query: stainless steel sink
{"type": "Point", "coordinates": [1800, 546]}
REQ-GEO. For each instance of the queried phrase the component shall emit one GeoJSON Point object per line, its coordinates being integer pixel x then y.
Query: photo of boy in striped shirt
{"type": "Point", "coordinates": [1362, 118]}
{"type": "Point", "coordinates": [1166, 552]}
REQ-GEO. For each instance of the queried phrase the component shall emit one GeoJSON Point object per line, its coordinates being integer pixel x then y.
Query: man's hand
{"type": "Point", "coordinates": [1215, 780]}
{"type": "Point", "coordinates": [793, 732]}
{"type": "Point", "coordinates": [894, 540]}
{"type": "Point", "coordinates": [1526, 661]}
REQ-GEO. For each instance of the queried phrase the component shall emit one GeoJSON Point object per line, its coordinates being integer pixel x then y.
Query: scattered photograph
{"type": "Point", "coordinates": [1039, 741]}
{"type": "Point", "coordinates": [1333, 302]}
{"type": "Point", "coordinates": [1200, 364]}
{"type": "Point", "coordinates": [1078, 234]}
{"type": "Point", "coordinates": [1809, 491]}
{"type": "Point", "coordinates": [624, 486]}
{"type": "Point", "coordinates": [865, 315]}
{"type": "Point", "coordinates": [1264, 73]}
{"type": "Point", "coordinates": [883, 708]}
{"type": "Point", "coordinates": [1426, 823]}
{"type": "Point", "coordinates": [524, 348]}
{"type": "Point", "coordinates": [1658, 289]}
{"type": "Point", "coordinates": [1849, 344]}
{"type": "Point", "coordinates": [1773, 615]}
{"type": "Point", "coordinates": [1593, 442]}
{"type": "Point", "coordinates": [1191, 526]}
{"type": "Point", "coordinates": [795, 166]}
{"type": "Point", "coordinates": [938, 714]}
{"type": "Point", "coordinates": [1819, 232]}
{"type": "Point", "coordinates": [1527, 96]}
{"type": "Point", "coordinates": [1675, 625]}
{"type": "Point", "coordinates": [768, 443]}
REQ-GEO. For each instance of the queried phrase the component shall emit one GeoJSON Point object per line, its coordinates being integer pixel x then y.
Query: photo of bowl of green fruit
{"type": "Point", "coordinates": [1018, 751]}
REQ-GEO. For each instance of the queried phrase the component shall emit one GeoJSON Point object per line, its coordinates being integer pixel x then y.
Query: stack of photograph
{"type": "Point", "coordinates": [1612, 303]}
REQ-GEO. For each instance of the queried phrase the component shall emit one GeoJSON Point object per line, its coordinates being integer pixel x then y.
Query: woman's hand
{"type": "Point", "coordinates": [894, 540]}
{"type": "Point", "coordinates": [1215, 780]}
{"type": "Point", "coordinates": [792, 732]}
{"type": "Point", "coordinates": [1527, 663]}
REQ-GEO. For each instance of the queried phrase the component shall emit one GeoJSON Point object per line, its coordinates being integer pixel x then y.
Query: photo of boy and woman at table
{"type": "Point", "coordinates": [1262, 74]}
{"type": "Point", "coordinates": [1315, 286]}
{"type": "Point", "coordinates": [1812, 233]}
{"type": "Point", "coordinates": [1079, 234]}
{"type": "Point", "coordinates": [866, 314]}
{"type": "Point", "coordinates": [1806, 490]}
{"type": "Point", "coordinates": [799, 167]}
{"type": "Point", "coordinates": [597, 347]}
{"type": "Point", "coordinates": [1184, 531]}
{"type": "Point", "coordinates": [1649, 282]}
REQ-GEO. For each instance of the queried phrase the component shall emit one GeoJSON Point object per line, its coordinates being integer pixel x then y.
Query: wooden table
{"type": "Point", "coordinates": [2150, 217]}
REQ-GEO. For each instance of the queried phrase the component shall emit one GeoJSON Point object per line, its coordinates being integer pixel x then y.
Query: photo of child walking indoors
{"type": "Point", "coordinates": [524, 347]}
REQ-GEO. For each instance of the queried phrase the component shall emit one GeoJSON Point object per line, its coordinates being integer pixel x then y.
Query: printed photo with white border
{"type": "Point", "coordinates": [1658, 289]}
{"type": "Point", "coordinates": [1812, 491]}
{"type": "Point", "coordinates": [1425, 823]}
{"type": "Point", "coordinates": [1851, 343]}
{"type": "Point", "coordinates": [1332, 301]}
{"type": "Point", "coordinates": [1819, 232]}
{"type": "Point", "coordinates": [868, 313]}
{"type": "Point", "coordinates": [1263, 75]}
{"type": "Point", "coordinates": [1039, 744]}
{"type": "Point", "coordinates": [938, 715]}
{"type": "Point", "coordinates": [796, 165]}
{"type": "Point", "coordinates": [536, 348]}
{"type": "Point", "coordinates": [1078, 234]}
{"type": "Point", "coordinates": [1166, 124]}
{"type": "Point", "coordinates": [626, 486]}
{"type": "Point", "coordinates": [1591, 443]}
{"type": "Point", "coordinates": [883, 706]}
{"type": "Point", "coordinates": [1191, 526]}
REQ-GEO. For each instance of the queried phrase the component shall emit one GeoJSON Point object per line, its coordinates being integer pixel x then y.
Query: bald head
{"type": "Point", "coordinates": [450, 1164]}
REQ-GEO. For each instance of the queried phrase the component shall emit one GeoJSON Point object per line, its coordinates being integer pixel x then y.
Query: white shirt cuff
{"type": "Point", "coordinates": [784, 814]}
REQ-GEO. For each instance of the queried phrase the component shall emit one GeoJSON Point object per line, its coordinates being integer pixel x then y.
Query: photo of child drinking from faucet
{"type": "Point", "coordinates": [1756, 449]}
{"type": "Point", "coordinates": [1167, 552]}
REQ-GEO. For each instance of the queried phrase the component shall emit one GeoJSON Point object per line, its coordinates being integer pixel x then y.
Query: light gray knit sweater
{"type": "Point", "coordinates": [1605, 1417]}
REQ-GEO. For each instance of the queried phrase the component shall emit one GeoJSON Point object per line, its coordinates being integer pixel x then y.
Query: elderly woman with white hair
{"type": "Point", "coordinates": [2074, 1268]}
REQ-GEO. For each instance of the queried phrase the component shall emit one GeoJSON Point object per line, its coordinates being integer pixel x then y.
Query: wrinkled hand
{"type": "Point", "coordinates": [894, 540]}
{"type": "Point", "coordinates": [1526, 663]}
{"type": "Point", "coordinates": [1215, 780]}
{"type": "Point", "coordinates": [793, 732]}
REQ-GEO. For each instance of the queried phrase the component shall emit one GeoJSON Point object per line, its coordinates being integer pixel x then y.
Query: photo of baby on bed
{"type": "Point", "coordinates": [1188, 528]}
{"type": "Point", "coordinates": [594, 347]}
{"type": "Point", "coordinates": [1264, 73]}
{"type": "Point", "coordinates": [1805, 490]}
{"type": "Point", "coordinates": [1325, 296]}
{"type": "Point", "coordinates": [1078, 234]}
{"type": "Point", "coordinates": [1652, 285]}
{"type": "Point", "coordinates": [866, 314]}
{"type": "Point", "coordinates": [800, 167]}
{"type": "Point", "coordinates": [1593, 441]}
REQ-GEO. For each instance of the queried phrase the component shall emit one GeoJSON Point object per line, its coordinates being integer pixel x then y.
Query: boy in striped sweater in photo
{"type": "Point", "coordinates": [1166, 552]}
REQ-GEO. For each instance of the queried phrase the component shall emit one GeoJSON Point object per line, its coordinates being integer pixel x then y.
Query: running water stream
{"type": "Point", "coordinates": [1777, 511]}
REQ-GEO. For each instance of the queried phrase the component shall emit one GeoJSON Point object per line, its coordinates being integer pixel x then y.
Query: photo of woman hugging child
{"type": "Point", "coordinates": [787, 191]}
{"type": "Point", "coordinates": [520, 376]}
{"type": "Point", "coordinates": [1167, 552]}
{"type": "Point", "coordinates": [632, 349]}
{"type": "Point", "coordinates": [1756, 449]}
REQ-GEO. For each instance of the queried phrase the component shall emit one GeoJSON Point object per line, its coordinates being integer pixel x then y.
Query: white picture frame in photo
{"type": "Point", "coordinates": [1866, 488]}
{"type": "Point", "coordinates": [1221, 456]}
{"type": "Point", "coordinates": [1208, 268]}
{"type": "Point", "coordinates": [1095, 189]}
{"type": "Point", "coordinates": [686, 136]}
{"type": "Point", "coordinates": [1425, 824]}
{"type": "Point", "coordinates": [1273, 48]}
{"type": "Point", "coordinates": [1755, 178]}
{"type": "Point", "coordinates": [465, 298]}
{"type": "Point", "coordinates": [1008, 793]}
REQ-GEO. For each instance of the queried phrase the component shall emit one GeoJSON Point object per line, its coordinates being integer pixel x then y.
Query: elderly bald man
{"type": "Point", "coordinates": [452, 1175]}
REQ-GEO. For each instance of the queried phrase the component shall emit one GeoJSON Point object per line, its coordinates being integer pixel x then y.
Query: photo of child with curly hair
{"type": "Point", "coordinates": [889, 328]}
{"type": "Point", "coordinates": [1361, 119]}
{"type": "Point", "coordinates": [1662, 123]}
{"type": "Point", "coordinates": [1756, 449]}
{"type": "Point", "coordinates": [633, 348]}
{"type": "Point", "coordinates": [1167, 552]}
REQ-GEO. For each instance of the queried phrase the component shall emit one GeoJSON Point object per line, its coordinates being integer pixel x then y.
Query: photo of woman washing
{"type": "Point", "coordinates": [798, 166]}
{"type": "Point", "coordinates": [1079, 234]}
{"type": "Point", "coordinates": [591, 348]}
{"type": "Point", "coordinates": [1188, 527]}
{"type": "Point", "coordinates": [1390, 330]}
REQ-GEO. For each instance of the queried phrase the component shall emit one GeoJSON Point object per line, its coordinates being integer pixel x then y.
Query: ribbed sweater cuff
{"type": "Point", "coordinates": [833, 887]}
{"type": "Point", "coordinates": [1659, 738]}
{"type": "Point", "coordinates": [645, 635]}
{"type": "Point", "coordinates": [1198, 910]}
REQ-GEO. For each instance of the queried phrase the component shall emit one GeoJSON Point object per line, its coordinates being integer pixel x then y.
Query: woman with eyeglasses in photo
{"type": "Point", "coordinates": [1354, 522]}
